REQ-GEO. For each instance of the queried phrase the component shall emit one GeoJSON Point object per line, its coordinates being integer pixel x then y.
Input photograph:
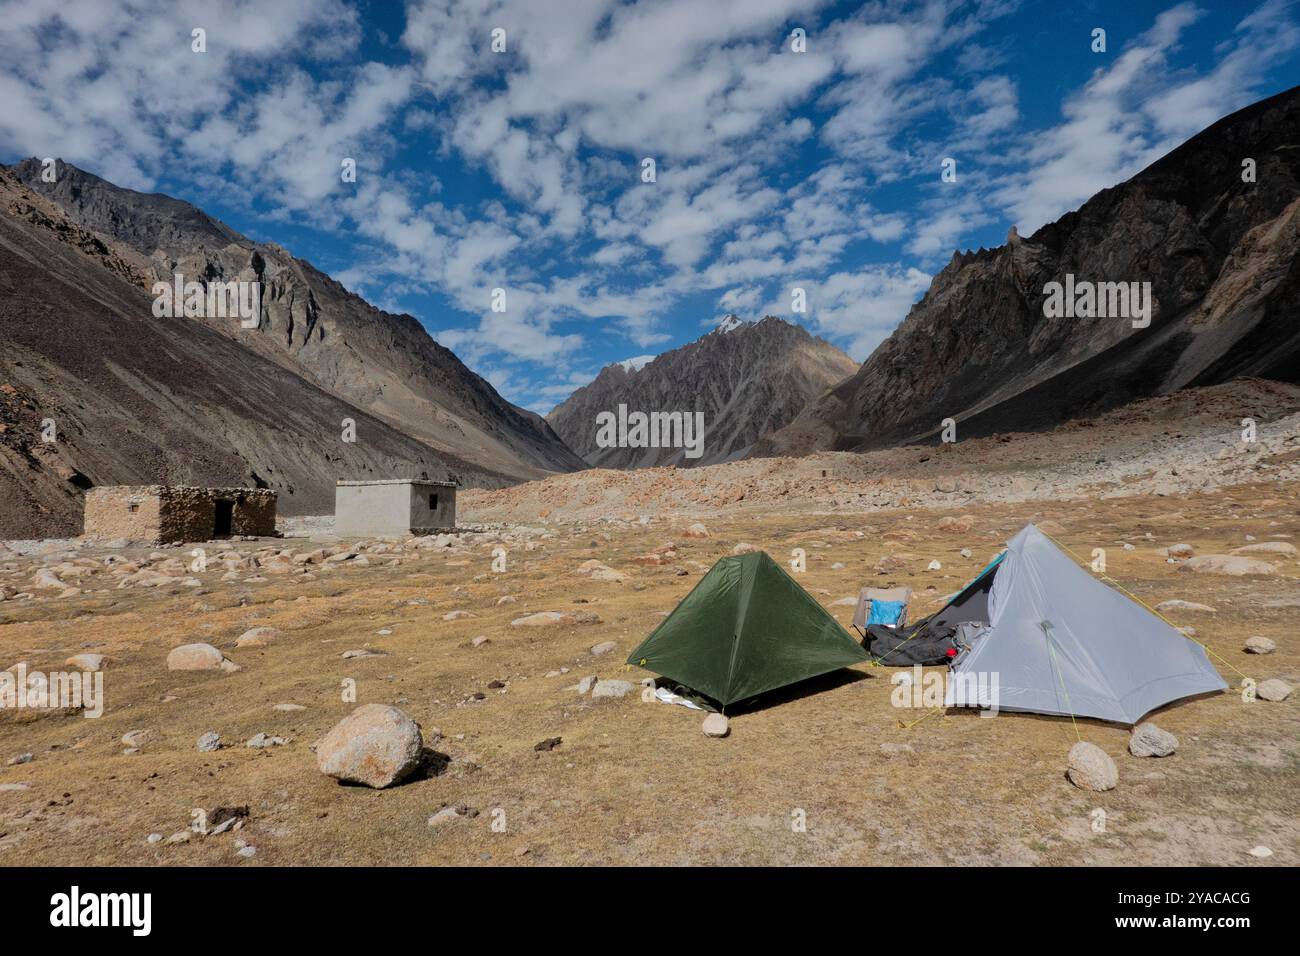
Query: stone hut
{"type": "Point", "coordinates": [165, 514]}
{"type": "Point", "coordinates": [393, 507]}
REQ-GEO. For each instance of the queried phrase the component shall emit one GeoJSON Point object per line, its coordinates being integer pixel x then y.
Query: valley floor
{"type": "Point", "coordinates": [632, 782]}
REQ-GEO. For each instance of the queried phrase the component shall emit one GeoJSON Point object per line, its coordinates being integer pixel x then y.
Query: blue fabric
{"type": "Point", "coordinates": [886, 612]}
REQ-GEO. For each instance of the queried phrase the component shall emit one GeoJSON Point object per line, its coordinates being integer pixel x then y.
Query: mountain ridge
{"type": "Point", "coordinates": [1220, 254]}
{"type": "Point", "coordinates": [746, 378]}
{"type": "Point", "coordinates": [311, 324]}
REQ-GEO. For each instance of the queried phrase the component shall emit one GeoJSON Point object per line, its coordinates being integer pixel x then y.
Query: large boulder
{"type": "Point", "coordinates": [195, 657]}
{"type": "Point", "coordinates": [1091, 768]}
{"type": "Point", "coordinates": [375, 745]}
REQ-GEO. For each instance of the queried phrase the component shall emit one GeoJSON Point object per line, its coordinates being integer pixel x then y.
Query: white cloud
{"type": "Point", "coordinates": [1137, 109]}
{"type": "Point", "coordinates": [858, 309]}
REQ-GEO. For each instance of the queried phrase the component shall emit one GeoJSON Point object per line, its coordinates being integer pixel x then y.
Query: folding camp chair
{"type": "Point", "coordinates": [887, 606]}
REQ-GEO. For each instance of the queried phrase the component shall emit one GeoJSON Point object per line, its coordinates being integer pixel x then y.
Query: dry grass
{"type": "Point", "coordinates": [634, 782]}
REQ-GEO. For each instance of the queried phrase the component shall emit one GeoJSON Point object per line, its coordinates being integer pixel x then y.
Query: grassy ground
{"type": "Point", "coordinates": [636, 782]}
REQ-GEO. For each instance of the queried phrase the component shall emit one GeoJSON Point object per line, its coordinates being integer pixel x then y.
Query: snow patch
{"type": "Point", "coordinates": [636, 364]}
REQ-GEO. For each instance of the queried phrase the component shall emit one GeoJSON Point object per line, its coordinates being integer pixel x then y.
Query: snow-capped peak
{"type": "Point", "coordinates": [730, 323]}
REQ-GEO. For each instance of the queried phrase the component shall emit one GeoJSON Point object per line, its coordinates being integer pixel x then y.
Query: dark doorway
{"type": "Point", "coordinates": [223, 519]}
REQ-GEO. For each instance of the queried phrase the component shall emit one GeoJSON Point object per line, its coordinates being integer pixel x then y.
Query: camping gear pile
{"type": "Point", "coordinates": [1060, 640]}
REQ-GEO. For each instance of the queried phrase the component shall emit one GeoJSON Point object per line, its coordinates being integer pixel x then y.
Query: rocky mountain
{"type": "Point", "coordinates": [747, 378]}
{"type": "Point", "coordinates": [311, 325]}
{"type": "Point", "coordinates": [129, 398]}
{"type": "Point", "coordinates": [1217, 245]}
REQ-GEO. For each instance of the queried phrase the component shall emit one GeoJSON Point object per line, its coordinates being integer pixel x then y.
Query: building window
{"type": "Point", "coordinates": [433, 502]}
{"type": "Point", "coordinates": [133, 507]}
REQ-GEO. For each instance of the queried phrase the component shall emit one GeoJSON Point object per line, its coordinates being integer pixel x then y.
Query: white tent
{"type": "Point", "coordinates": [1061, 642]}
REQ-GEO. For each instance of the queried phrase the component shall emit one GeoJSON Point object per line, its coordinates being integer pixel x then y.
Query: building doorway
{"type": "Point", "coordinates": [223, 519]}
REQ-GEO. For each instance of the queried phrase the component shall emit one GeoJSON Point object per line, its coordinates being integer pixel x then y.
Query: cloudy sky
{"type": "Point", "coordinates": [522, 169]}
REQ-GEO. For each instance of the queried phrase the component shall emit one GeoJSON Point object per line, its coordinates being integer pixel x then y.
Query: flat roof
{"type": "Point", "coordinates": [397, 481]}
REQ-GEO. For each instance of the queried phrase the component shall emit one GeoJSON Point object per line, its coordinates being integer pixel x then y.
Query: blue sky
{"type": "Point", "coordinates": [521, 169]}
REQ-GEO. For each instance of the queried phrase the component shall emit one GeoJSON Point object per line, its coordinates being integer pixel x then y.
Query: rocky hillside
{"type": "Point", "coordinates": [748, 378]}
{"type": "Point", "coordinates": [1221, 257]}
{"type": "Point", "coordinates": [1164, 447]}
{"type": "Point", "coordinates": [386, 364]}
{"type": "Point", "coordinates": [134, 399]}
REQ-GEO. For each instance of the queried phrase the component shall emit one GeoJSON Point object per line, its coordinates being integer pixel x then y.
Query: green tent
{"type": "Point", "coordinates": [746, 628]}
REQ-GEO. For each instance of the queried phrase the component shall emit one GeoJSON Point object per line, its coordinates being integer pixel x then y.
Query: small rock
{"type": "Point", "coordinates": [604, 647]}
{"type": "Point", "coordinates": [584, 686]}
{"type": "Point", "coordinates": [20, 759]}
{"type": "Point", "coordinates": [263, 740]}
{"type": "Point", "coordinates": [1231, 564]}
{"type": "Point", "coordinates": [247, 851]}
{"type": "Point", "coordinates": [209, 742]}
{"type": "Point", "coordinates": [1262, 852]}
{"type": "Point", "coordinates": [545, 618]}
{"type": "Point", "coordinates": [1091, 768]}
{"type": "Point", "coordinates": [457, 615]}
{"type": "Point", "coordinates": [957, 525]}
{"type": "Point", "coordinates": [448, 814]}
{"type": "Point", "coordinates": [1180, 551]}
{"type": "Point", "coordinates": [480, 641]}
{"type": "Point", "coordinates": [194, 657]}
{"type": "Point", "coordinates": [1274, 690]}
{"type": "Point", "coordinates": [599, 572]}
{"type": "Point", "coordinates": [611, 688]}
{"type": "Point", "coordinates": [1260, 645]}
{"type": "Point", "coordinates": [1148, 740]}
{"type": "Point", "coordinates": [137, 738]}
{"type": "Point", "coordinates": [716, 725]}
{"type": "Point", "coordinates": [180, 836]}
{"type": "Point", "coordinates": [87, 662]}
{"type": "Point", "coordinates": [696, 530]}
{"type": "Point", "coordinates": [256, 637]}
{"type": "Point", "coordinates": [1185, 606]}
{"type": "Point", "coordinates": [550, 743]}
{"type": "Point", "coordinates": [893, 750]}
{"type": "Point", "coordinates": [154, 838]}
{"type": "Point", "coordinates": [288, 707]}
{"type": "Point", "coordinates": [1284, 548]}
